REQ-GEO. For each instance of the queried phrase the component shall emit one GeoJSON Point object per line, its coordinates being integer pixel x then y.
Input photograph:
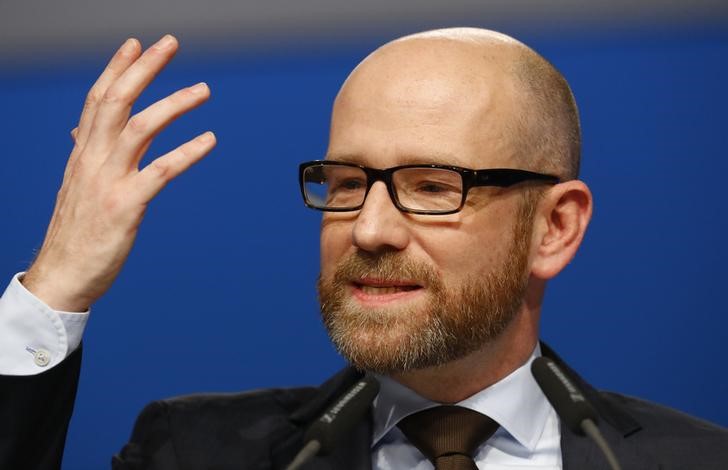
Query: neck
{"type": "Point", "coordinates": [457, 380]}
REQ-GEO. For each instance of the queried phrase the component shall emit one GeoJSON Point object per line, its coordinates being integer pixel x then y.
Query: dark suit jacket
{"type": "Point", "coordinates": [263, 429]}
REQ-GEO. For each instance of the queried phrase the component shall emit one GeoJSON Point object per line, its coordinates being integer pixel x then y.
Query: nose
{"type": "Point", "coordinates": [380, 225]}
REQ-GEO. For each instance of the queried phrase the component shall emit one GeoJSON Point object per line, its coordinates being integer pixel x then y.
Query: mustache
{"type": "Point", "coordinates": [387, 266]}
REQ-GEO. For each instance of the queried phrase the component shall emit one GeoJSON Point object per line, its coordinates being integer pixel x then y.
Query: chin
{"type": "Point", "coordinates": [387, 348]}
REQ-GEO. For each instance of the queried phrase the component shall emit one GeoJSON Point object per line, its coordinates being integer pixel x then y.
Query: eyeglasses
{"type": "Point", "coordinates": [418, 189]}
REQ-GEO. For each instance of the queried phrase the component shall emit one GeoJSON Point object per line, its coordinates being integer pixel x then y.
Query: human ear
{"type": "Point", "coordinates": [559, 226]}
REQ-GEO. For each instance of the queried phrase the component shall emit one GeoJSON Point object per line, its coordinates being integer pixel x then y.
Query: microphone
{"type": "Point", "coordinates": [324, 434]}
{"type": "Point", "coordinates": [570, 404]}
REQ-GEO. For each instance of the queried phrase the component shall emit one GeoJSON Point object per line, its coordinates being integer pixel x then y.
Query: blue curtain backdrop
{"type": "Point", "coordinates": [218, 293]}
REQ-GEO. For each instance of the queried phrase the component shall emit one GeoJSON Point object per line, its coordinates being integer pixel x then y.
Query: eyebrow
{"type": "Point", "coordinates": [442, 159]}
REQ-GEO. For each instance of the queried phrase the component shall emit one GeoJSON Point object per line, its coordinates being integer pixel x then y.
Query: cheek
{"type": "Point", "coordinates": [458, 259]}
{"type": "Point", "coordinates": [335, 242]}
{"type": "Point", "coordinates": [462, 253]}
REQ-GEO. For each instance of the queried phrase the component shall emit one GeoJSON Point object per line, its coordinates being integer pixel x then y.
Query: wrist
{"type": "Point", "coordinates": [54, 290]}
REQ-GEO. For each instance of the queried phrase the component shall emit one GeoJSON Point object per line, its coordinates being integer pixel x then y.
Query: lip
{"type": "Point", "coordinates": [366, 291]}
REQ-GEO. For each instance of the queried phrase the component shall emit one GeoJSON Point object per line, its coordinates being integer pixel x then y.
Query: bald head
{"type": "Point", "coordinates": [481, 87]}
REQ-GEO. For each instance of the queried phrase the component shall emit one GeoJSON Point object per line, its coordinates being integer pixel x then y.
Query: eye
{"type": "Point", "coordinates": [435, 187]}
{"type": "Point", "coordinates": [352, 183]}
{"type": "Point", "coordinates": [431, 187]}
{"type": "Point", "coordinates": [347, 184]}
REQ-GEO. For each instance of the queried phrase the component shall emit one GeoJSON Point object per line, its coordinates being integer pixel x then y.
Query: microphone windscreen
{"type": "Point", "coordinates": [569, 402]}
{"type": "Point", "coordinates": [343, 414]}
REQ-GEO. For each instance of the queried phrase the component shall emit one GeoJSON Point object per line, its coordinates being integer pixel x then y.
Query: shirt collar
{"type": "Point", "coordinates": [515, 402]}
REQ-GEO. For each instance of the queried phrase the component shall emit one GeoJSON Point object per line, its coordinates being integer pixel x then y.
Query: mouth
{"type": "Point", "coordinates": [378, 291]}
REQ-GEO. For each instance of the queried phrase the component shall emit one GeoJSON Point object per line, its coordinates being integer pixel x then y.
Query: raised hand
{"type": "Point", "coordinates": [104, 193]}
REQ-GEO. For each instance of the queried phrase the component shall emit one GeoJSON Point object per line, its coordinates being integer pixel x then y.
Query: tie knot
{"type": "Point", "coordinates": [448, 432]}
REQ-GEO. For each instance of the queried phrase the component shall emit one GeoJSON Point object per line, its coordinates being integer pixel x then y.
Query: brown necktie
{"type": "Point", "coordinates": [448, 435]}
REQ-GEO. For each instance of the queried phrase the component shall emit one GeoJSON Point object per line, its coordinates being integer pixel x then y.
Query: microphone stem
{"type": "Point", "coordinates": [305, 454]}
{"type": "Point", "coordinates": [592, 431]}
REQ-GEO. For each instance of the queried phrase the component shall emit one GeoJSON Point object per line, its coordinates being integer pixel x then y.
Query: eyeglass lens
{"type": "Point", "coordinates": [341, 187]}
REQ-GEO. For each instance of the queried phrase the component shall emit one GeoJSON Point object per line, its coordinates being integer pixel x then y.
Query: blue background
{"type": "Point", "coordinates": [218, 293]}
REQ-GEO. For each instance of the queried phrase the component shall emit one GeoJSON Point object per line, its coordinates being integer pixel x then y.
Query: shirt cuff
{"type": "Point", "coordinates": [34, 337]}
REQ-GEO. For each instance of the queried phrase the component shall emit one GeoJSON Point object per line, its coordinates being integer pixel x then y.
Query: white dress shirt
{"type": "Point", "coordinates": [528, 436]}
{"type": "Point", "coordinates": [34, 337]}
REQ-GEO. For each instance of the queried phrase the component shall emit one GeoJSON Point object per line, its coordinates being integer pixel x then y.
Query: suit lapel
{"type": "Point", "coordinates": [617, 426]}
{"type": "Point", "coordinates": [579, 452]}
{"type": "Point", "coordinates": [353, 451]}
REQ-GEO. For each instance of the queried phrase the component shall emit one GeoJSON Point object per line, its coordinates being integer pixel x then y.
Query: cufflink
{"type": "Point", "coordinates": [41, 357]}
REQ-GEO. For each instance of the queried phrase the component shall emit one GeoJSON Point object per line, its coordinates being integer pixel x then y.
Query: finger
{"type": "Point", "coordinates": [144, 126]}
{"type": "Point", "coordinates": [124, 57]}
{"type": "Point", "coordinates": [116, 103]}
{"type": "Point", "coordinates": [161, 171]}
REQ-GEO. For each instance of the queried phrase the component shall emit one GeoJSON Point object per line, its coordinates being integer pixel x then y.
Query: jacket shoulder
{"type": "Point", "coordinates": [664, 419]}
{"type": "Point", "coordinates": [672, 436]}
{"type": "Point", "coordinates": [226, 428]}
{"type": "Point", "coordinates": [242, 408]}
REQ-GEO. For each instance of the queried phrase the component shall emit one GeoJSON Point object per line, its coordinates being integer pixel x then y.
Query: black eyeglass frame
{"type": "Point", "coordinates": [498, 177]}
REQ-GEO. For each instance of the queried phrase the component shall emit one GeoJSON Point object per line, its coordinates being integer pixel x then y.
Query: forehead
{"type": "Point", "coordinates": [404, 159]}
{"type": "Point", "coordinates": [423, 105]}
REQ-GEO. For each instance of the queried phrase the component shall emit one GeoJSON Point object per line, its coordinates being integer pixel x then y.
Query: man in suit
{"type": "Point", "coordinates": [450, 198]}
